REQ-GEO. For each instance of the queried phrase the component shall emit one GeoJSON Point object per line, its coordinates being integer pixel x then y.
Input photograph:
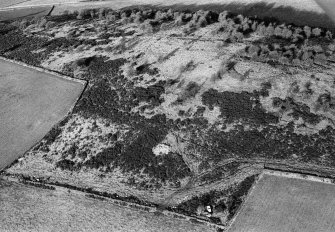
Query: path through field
{"type": "Point", "coordinates": [278, 203]}
{"type": "Point", "coordinates": [31, 102]}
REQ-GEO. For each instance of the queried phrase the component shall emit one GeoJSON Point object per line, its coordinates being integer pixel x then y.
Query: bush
{"type": "Point", "coordinates": [190, 91]}
{"type": "Point", "coordinates": [287, 33]}
{"type": "Point", "coordinates": [307, 31]}
{"type": "Point", "coordinates": [84, 13]}
{"type": "Point", "coordinates": [102, 13]}
{"type": "Point", "coordinates": [270, 30]}
{"type": "Point", "coordinates": [219, 74]}
{"type": "Point", "coordinates": [316, 32]}
{"type": "Point", "coordinates": [254, 26]}
{"type": "Point", "coordinates": [223, 16]}
{"type": "Point", "coordinates": [329, 35]}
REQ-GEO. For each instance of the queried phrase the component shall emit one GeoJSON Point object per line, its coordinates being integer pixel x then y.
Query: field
{"type": "Point", "coordinates": [279, 203]}
{"type": "Point", "coordinates": [31, 102]}
{"type": "Point", "coordinates": [27, 208]}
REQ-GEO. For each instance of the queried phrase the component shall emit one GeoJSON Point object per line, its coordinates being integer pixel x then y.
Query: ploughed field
{"type": "Point", "coordinates": [27, 208]}
{"type": "Point", "coordinates": [279, 203]}
{"type": "Point", "coordinates": [182, 109]}
{"type": "Point", "coordinates": [31, 103]}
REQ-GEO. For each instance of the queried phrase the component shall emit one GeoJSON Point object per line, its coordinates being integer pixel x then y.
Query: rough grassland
{"type": "Point", "coordinates": [25, 208]}
{"type": "Point", "coordinates": [31, 102]}
{"type": "Point", "coordinates": [287, 204]}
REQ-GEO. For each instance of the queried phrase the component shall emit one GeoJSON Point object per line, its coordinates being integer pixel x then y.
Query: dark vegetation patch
{"type": "Point", "coordinates": [298, 110]}
{"type": "Point", "coordinates": [242, 106]}
{"type": "Point", "coordinates": [190, 91]}
{"type": "Point", "coordinates": [138, 156]}
{"type": "Point", "coordinates": [54, 132]}
{"type": "Point", "coordinates": [125, 199]}
{"type": "Point", "coordinates": [269, 142]}
{"type": "Point", "coordinates": [151, 94]}
{"type": "Point", "coordinates": [66, 164]}
{"type": "Point", "coordinates": [227, 200]}
{"type": "Point", "coordinates": [145, 68]}
{"type": "Point", "coordinates": [112, 96]}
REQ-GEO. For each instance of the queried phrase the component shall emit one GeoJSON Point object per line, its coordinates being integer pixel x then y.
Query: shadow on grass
{"type": "Point", "coordinates": [264, 11]}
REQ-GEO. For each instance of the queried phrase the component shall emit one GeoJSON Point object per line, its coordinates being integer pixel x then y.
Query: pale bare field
{"type": "Point", "coordinates": [8, 3]}
{"type": "Point", "coordinates": [31, 102]}
{"type": "Point", "coordinates": [27, 208]}
{"type": "Point", "coordinates": [309, 5]}
{"type": "Point", "coordinates": [279, 203]}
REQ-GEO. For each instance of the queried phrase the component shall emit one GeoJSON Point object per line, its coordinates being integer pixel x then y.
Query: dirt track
{"type": "Point", "coordinates": [31, 102]}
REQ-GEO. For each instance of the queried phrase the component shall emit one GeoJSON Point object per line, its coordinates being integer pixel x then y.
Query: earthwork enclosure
{"type": "Point", "coordinates": [31, 102]}
{"type": "Point", "coordinates": [279, 203]}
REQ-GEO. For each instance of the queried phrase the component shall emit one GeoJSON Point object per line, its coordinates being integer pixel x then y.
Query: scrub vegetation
{"type": "Point", "coordinates": [173, 97]}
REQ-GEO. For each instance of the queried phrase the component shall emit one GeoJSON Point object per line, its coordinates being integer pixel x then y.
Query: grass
{"type": "Point", "coordinates": [46, 99]}
{"type": "Point", "coordinates": [287, 204]}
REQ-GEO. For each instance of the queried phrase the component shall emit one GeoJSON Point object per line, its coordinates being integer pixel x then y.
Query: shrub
{"type": "Point", "coordinates": [329, 35]}
{"type": "Point", "coordinates": [320, 59]}
{"type": "Point", "coordinates": [42, 22]}
{"type": "Point", "coordinates": [261, 29]}
{"type": "Point", "coordinates": [165, 26]}
{"type": "Point", "coordinates": [49, 24]}
{"type": "Point", "coordinates": [84, 13]}
{"type": "Point", "coordinates": [270, 30]}
{"type": "Point", "coordinates": [254, 26]}
{"type": "Point", "coordinates": [317, 49]}
{"type": "Point", "coordinates": [253, 49]}
{"type": "Point", "coordinates": [331, 47]}
{"type": "Point", "coordinates": [273, 55]}
{"type": "Point", "coordinates": [287, 33]}
{"type": "Point", "coordinates": [223, 16]}
{"type": "Point", "coordinates": [278, 31]}
{"type": "Point", "coordinates": [202, 22]}
{"type": "Point", "coordinates": [186, 68]}
{"type": "Point", "coordinates": [284, 60]}
{"type": "Point", "coordinates": [190, 91]}
{"type": "Point", "coordinates": [307, 31]}
{"type": "Point", "coordinates": [102, 13]}
{"type": "Point", "coordinates": [219, 74]}
{"type": "Point", "coordinates": [316, 32]}
{"type": "Point", "coordinates": [23, 24]}
{"type": "Point", "coordinates": [147, 27]}
{"type": "Point", "coordinates": [138, 18]}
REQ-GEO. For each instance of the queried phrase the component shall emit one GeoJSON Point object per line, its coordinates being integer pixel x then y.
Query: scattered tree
{"type": "Point", "coordinates": [316, 32]}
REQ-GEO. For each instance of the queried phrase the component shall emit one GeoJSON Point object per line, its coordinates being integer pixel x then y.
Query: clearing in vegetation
{"type": "Point", "coordinates": [279, 203]}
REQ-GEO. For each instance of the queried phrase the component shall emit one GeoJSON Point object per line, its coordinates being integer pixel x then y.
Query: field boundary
{"type": "Point", "coordinates": [260, 176]}
{"type": "Point", "coordinates": [56, 75]}
{"type": "Point", "coordinates": [44, 70]}
{"type": "Point", "coordinates": [300, 176]}
{"type": "Point", "coordinates": [38, 183]}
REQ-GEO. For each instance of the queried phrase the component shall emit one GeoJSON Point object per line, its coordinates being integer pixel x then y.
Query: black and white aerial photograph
{"type": "Point", "coordinates": [167, 115]}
